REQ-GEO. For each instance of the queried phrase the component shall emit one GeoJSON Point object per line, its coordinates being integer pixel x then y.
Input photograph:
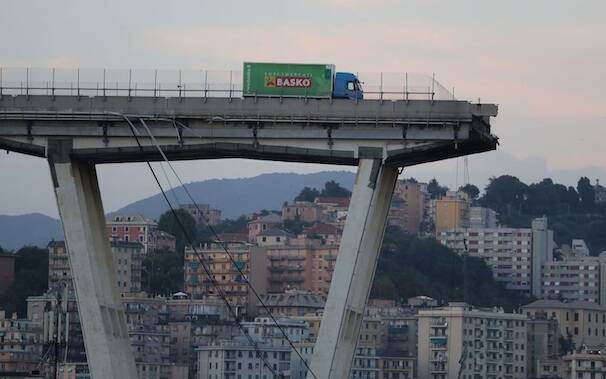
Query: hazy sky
{"type": "Point", "coordinates": [541, 61]}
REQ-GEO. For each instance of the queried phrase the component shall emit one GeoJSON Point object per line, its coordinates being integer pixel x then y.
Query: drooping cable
{"type": "Point", "coordinates": [202, 261]}
{"type": "Point", "coordinates": [224, 247]}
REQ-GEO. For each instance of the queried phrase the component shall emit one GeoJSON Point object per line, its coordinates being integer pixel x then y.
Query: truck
{"type": "Point", "coordinates": [299, 80]}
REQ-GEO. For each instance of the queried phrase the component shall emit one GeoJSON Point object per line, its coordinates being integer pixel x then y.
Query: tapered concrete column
{"type": "Point", "coordinates": [354, 270]}
{"type": "Point", "coordinates": [108, 348]}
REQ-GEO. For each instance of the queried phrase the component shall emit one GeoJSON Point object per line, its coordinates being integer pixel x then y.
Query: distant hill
{"type": "Point", "coordinates": [235, 197]}
{"type": "Point", "coordinates": [30, 229]}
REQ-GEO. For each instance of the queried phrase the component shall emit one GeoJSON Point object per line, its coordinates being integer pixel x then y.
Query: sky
{"type": "Point", "coordinates": [542, 62]}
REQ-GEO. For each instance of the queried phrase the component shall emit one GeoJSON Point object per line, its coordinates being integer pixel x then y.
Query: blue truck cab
{"type": "Point", "coordinates": [347, 86]}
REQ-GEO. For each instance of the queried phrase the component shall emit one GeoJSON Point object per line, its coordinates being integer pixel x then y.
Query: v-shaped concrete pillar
{"type": "Point", "coordinates": [354, 270]}
{"type": "Point", "coordinates": [108, 348]}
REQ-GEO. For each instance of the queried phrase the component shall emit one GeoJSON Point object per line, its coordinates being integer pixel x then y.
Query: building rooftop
{"type": "Point", "coordinates": [339, 201]}
{"type": "Point", "coordinates": [274, 232]}
{"type": "Point", "coordinates": [321, 229]}
{"type": "Point", "coordinates": [270, 218]}
{"type": "Point", "coordinates": [127, 244]}
{"type": "Point", "coordinates": [581, 305]}
{"type": "Point", "coordinates": [234, 237]}
{"type": "Point", "coordinates": [54, 243]}
{"type": "Point", "coordinates": [136, 219]}
{"type": "Point", "coordinates": [293, 299]}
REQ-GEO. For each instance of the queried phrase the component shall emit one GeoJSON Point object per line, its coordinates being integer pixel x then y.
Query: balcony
{"type": "Point", "coordinates": [438, 341]}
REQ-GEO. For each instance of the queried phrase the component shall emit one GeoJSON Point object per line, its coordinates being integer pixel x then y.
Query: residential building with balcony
{"type": "Point", "coordinates": [20, 346]}
{"type": "Point", "coordinates": [248, 259]}
{"type": "Point", "coordinates": [239, 358]}
{"type": "Point", "coordinates": [127, 258]}
{"type": "Point", "coordinates": [587, 363]}
{"type": "Point", "coordinates": [137, 228]}
{"type": "Point", "coordinates": [584, 322]}
{"type": "Point", "coordinates": [543, 343]}
{"type": "Point", "coordinates": [515, 255]}
{"type": "Point", "coordinates": [461, 341]}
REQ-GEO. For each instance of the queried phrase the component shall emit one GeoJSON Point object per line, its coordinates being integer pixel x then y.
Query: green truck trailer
{"type": "Point", "coordinates": [298, 80]}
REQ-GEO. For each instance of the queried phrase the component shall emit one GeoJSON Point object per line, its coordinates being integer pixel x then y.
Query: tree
{"type": "Point", "coordinates": [307, 194]}
{"type": "Point", "coordinates": [470, 190]}
{"type": "Point", "coordinates": [31, 278]}
{"type": "Point", "coordinates": [435, 190]}
{"type": "Point", "coordinates": [586, 193]}
{"type": "Point", "coordinates": [505, 194]}
{"type": "Point", "coordinates": [183, 227]}
{"type": "Point", "coordinates": [333, 189]}
{"type": "Point", "coordinates": [162, 273]}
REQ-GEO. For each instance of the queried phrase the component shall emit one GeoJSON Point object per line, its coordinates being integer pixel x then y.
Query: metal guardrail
{"type": "Point", "coordinates": [191, 83]}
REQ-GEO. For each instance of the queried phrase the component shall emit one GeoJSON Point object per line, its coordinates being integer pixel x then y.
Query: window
{"type": "Point", "coordinates": [350, 86]}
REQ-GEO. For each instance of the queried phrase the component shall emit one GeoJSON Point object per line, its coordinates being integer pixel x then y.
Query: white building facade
{"type": "Point", "coordinates": [464, 342]}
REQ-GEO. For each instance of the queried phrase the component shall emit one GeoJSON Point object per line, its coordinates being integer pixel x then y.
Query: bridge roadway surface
{"type": "Point", "coordinates": [75, 133]}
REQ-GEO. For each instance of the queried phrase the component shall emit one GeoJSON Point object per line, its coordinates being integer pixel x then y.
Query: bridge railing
{"type": "Point", "coordinates": [191, 83]}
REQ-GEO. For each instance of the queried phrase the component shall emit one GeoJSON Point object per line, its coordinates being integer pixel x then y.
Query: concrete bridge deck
{"type": "Point", "coordinates": [401, 132]}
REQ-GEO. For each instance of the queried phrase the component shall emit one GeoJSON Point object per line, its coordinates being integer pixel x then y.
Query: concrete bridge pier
{"type": "Point", "coordinates": [108, 348]}
{"type": "Point", "coordinates": [354, 270]}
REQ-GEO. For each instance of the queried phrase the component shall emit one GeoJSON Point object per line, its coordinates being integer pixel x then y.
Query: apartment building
{"type": "Point", "coordinates": [543, 343]}
{"type": "Point", "coordinates": [588, 363]}
{"type": "Point", "coordinates": [127, 258]}
{"type": "Point", "coordinates": [480, 217]}
{"type": "Point", "coordinates": [272, 237]}
{"type": "Point", "coordinates": [409, 205]}
{"type": "Point", "coordinates": [239, 358]}
{"type": "Point", "coordinates": [260, 224]}
{"type": "Point", "coordinates": [59, 270]}
{"type": "Point", "coordinates": [452, 211]}
{"type": "Point", "coordinates": [137, 228]}
{"type": "Point", "coordinates": [572, 279]}
{"type": "Point", "coordinates": [20, 346]}
{"type": "Point", "coordinates": [150, 345]}
{"type": "Point", "coordinates": [368, 363]}
{"type": "Point", "coordinates": [301, 210]}
{"type": "Point", "coordinates": [291, 303]}
{"type": "Point", "coordinates": [248, 259]}
{"type": "Point", "coordinates": [203, 214]}
{"type": "Point", "coordinates": [515, 256]}
{"type": "Point", "coordinates": [584, 322]}
{"type": "Point", "coordinates": [465, 342]}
